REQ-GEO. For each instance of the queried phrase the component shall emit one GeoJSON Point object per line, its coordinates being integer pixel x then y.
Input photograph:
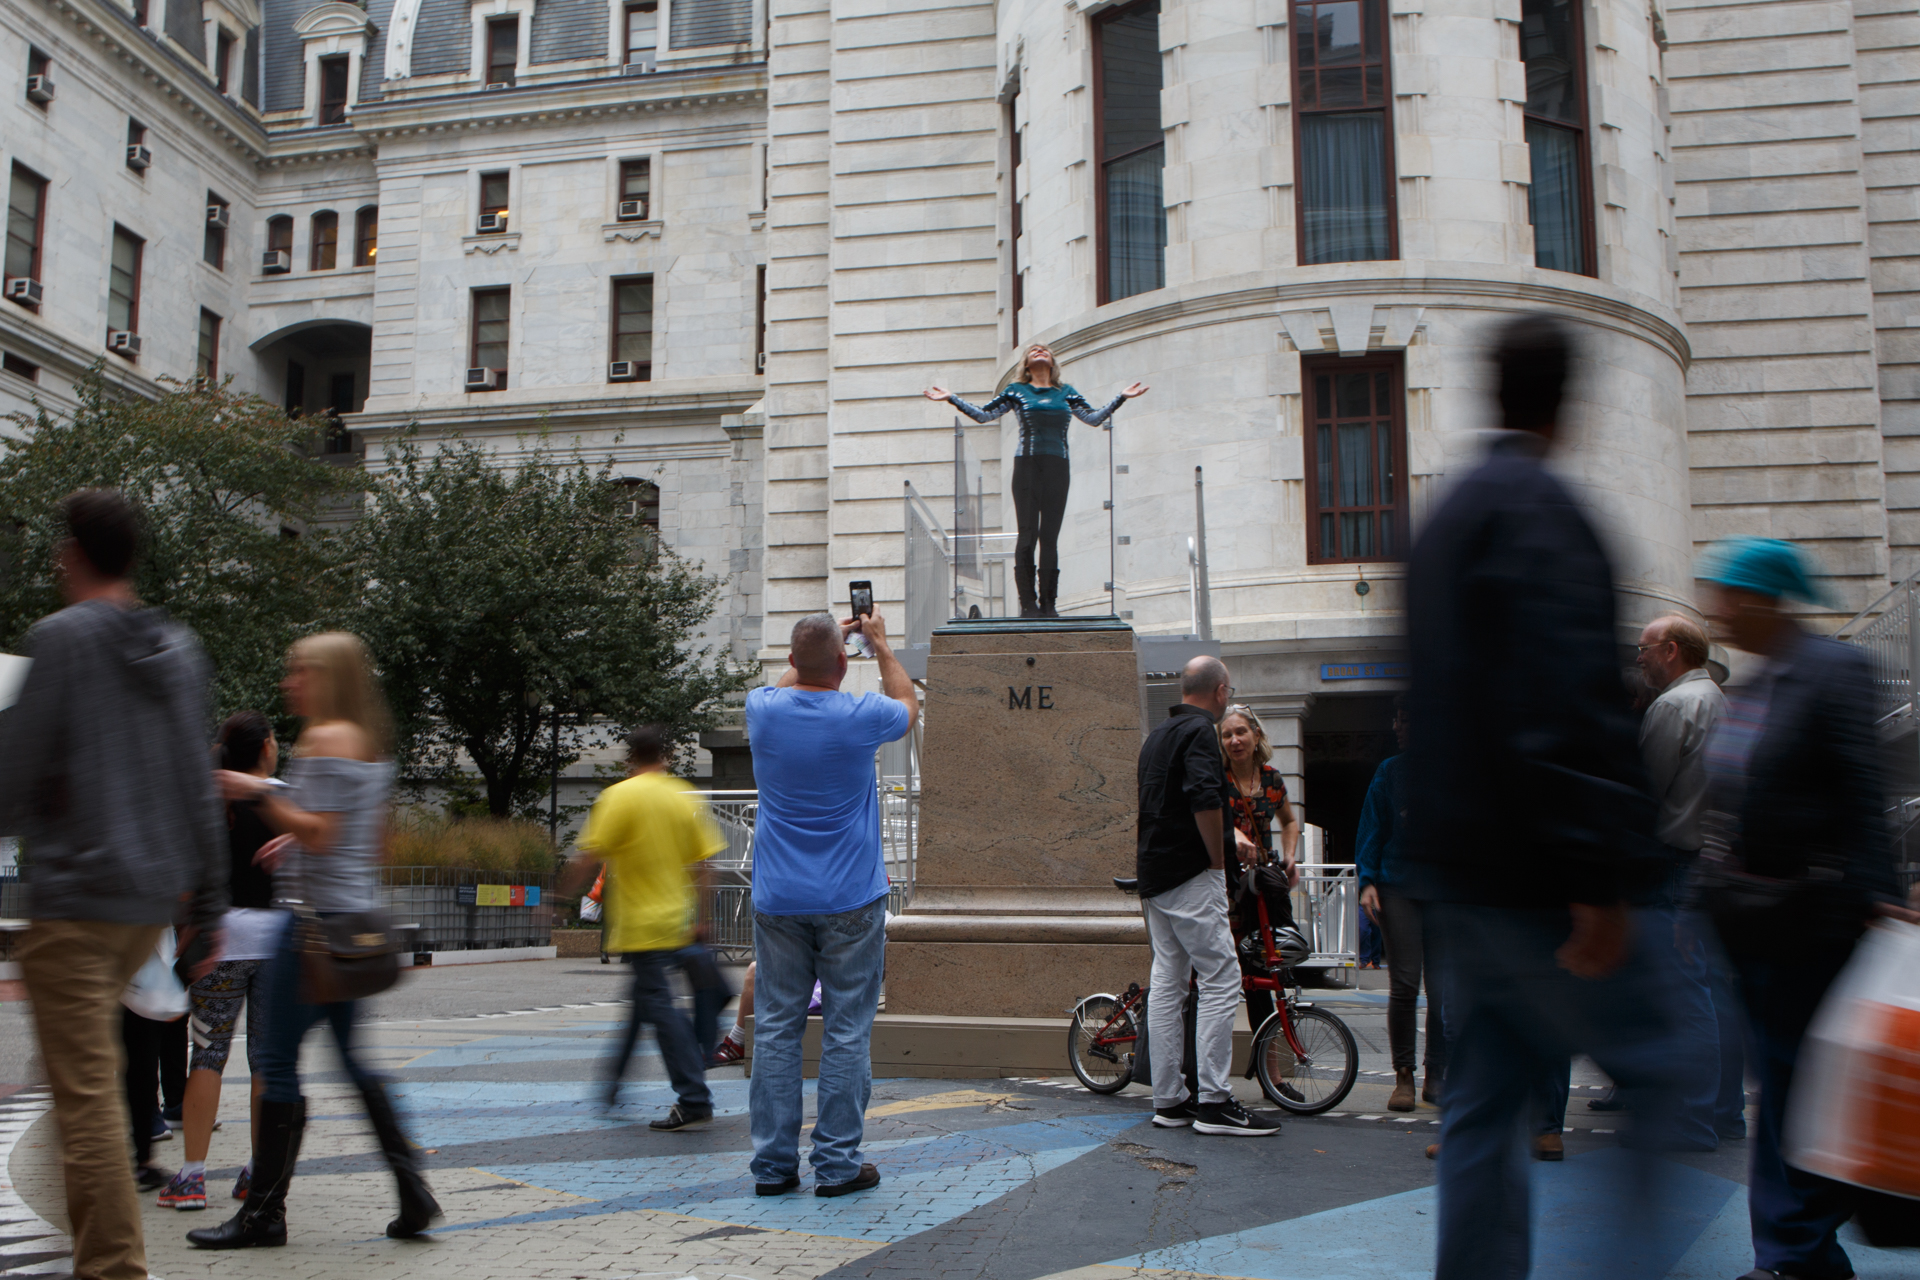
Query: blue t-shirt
{"type": "Point", "coordinates": [816, 842]}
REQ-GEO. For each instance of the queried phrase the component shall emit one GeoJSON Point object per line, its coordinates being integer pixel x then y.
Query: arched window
{"type": "Point", "coordinates": [326, 241]}
{"type": "Point", "coordinates": [366, 236]}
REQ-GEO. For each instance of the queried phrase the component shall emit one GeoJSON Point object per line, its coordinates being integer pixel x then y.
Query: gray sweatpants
{"type": "Point", "coordinates": [1188, 928]}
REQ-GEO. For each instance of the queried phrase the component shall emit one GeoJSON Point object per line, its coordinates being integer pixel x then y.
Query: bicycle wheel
{"type": "Point", "coordinates": [1317, 1078]}
{"type": "Point", "coordinates": [1100, 1042]}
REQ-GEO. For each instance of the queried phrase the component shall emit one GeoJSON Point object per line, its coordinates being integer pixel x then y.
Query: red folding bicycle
{"type": "Point", "coordinates": [1304, 1057]}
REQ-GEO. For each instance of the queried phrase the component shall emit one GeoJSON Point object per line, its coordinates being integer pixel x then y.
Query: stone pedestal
{"type": "Point", "coordinates": [1027, 809]}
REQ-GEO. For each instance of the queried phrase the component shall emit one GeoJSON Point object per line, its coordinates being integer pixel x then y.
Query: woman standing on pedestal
{"type": "Point", "coordinates": [1045, 406]}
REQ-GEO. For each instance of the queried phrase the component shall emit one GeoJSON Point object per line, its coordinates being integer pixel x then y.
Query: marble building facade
{"type": "Point", "coordinates": [1247, 204]}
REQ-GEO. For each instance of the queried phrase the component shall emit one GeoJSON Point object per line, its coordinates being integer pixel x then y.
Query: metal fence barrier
{"type": "Point", "coordinates": [449, 920]}
{"type": "Point", "coordinates": [730, 924]}
{"type": "Point", "coordinates": [1326, 907]}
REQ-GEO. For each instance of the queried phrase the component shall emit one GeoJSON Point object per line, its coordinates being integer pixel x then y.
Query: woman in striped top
{"type": "Point", "coordinates": [1045, 406]}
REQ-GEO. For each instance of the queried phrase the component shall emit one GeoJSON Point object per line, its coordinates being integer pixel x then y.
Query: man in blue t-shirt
{"type": "Point", "coordinates": [819, 898]}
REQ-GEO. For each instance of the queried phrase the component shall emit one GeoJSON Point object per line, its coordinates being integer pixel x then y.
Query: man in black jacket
{"type": "Point", "coordinates": [1529, 830]}
{"type": "Point", "coordinates": [1181, 864]}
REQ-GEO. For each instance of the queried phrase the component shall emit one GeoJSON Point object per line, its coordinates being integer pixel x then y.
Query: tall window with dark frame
{"type": "Point", "coordinates": [333, 90]}
{"type": "Point", "coordinates": [206, 361]}
{"type": "Point", "coordinates": [1132, 213]}
{"type": "Point", "coordinates": [38, 64]}
{"type": "Point", "coordinates": [123, 281]}
{"type": "Point", "coordinates": [636, 183]}
{"type": "Point", "coordinates": [1560, 198]}
{"type": "Point", "coordinates": [643, 33]}
{"type": "Point", "coordinates": [1343, 131]}
{"type": "Point", "coordinates": [639, 501]}
{"type": "Point", "coordinates": [1016, 283]}
{"type": "Point", "coordinates": [495, 193]}
{"type": "Point", "coordinates": [760, 319]}
{"type": "Point", "coordinates": [280, 234]}
{"type": "Point", "coordinates": [213, 245]}
{"type": "Point", "coordinates": [141, 12]}
{"type": "Point", "coordinates": [366, 235]}
{"type": "Point", "coordinates": [26, 225]}
{"type": "Point", "coordinates": [1356, 459]}
{"type": "Point", "coordinates": [632, 328]}
{"type": "Point", "coordinates": [323, 251]}
{"type": "Point", "coordinates": [503, 49]}
{"type": "Point", "coordinates": [491, 310]}
{"type": "Point", "coordinates": [222, 60]}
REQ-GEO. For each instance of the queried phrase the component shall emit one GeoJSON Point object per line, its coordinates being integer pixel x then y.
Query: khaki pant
{"type": "Point", "coordinates": [75, 971]}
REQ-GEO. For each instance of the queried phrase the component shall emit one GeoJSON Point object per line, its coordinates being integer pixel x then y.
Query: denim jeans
{"type": "Point", "coordinates": [289, 1020]}
{"type": "Point", "coordinates": [845, 954]}
{"type": "Point", "coordinates": [1723, 989]}
{"type": "Point", "coordinates": [682, 1050]}
{"type": "Point", "coordinates": [1515, 1017]}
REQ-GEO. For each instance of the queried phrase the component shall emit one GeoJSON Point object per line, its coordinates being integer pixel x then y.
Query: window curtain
{"type": "Point", "coordinates": [1136, 224]}
{"type": "Point", "coordinates": [1553, 199]}
{"type": "Point", "coordinates": [1343, 196]}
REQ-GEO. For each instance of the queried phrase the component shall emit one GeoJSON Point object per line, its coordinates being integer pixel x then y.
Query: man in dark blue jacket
{"type": "Point", "coordinates": [1529, 830]}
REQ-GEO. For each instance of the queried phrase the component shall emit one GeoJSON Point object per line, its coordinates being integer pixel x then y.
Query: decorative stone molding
{"type": "Point", "coordinates": [1352, 328]}
{"type": "Point", "coordinates": [398, 64]}
{"type": "Point", "coordinates": [631, 231]}
{"type": "Point", "coordinates": [491, 244]}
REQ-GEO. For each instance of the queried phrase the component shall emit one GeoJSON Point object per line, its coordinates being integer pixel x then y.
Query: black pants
{"type": "Point", "coordinates": [144, 1040]}
{"type": "Point", "coordinates": [1402, 926]}
{"type": "Point", "coordinates": [1039, 506]}
{"type": "Point", "coordinates": [174, 1049]}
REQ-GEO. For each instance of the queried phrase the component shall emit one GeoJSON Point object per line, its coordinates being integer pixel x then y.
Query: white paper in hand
{"type": "Point", "coordinates": [13, 674]}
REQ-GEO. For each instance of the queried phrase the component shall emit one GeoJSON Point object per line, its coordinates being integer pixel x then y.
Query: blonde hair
{"type": "Point", "coordinates": [1026, 362]}
{"type": "Point", "coordinates": [343, 686]}
{"type": "Point", "coordinates": [1262, 749]}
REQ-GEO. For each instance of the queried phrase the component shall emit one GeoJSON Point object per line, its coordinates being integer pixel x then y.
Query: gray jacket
{"type": "Point", "coordinates": [1673, 741]}
{"type": "Point", "coordinates": [105, 774]}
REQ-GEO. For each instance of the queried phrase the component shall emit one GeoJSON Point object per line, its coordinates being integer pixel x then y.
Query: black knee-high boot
{"type": "Point", "coordinates": [262, 1220]}
{"type": "Point", "coordinates": [418, 1208]}
{"type": "Point", "coordinates": [1049, 593]}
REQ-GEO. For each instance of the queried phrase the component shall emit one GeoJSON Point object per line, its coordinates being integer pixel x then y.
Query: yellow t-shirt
{"type": "Point", "coordinates": [649, 830]}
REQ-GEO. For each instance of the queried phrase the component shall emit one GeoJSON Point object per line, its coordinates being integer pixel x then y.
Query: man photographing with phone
{"type": "Point", "coordinates": [819, 896]}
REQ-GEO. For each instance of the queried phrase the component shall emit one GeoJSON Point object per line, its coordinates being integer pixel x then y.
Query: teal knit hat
{"type": "Point", "coordinates": [1764, 566]}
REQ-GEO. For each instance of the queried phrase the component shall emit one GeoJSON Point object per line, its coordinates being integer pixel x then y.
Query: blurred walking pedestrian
{"type": "Point", "coordinates": [1528, 827]}
{"type": "Point", "coordinates": [331, 814]}
{"type": "Point", "coordinates": [1794, 796]}
{"type": "Point", "coordinates": [103, 777]}
{"type": "Point", "coordinates": [245, 744]}
{"type": "Point", "coordinates": [647, 831]}
{"type": "Point", "coordinates": [1185, 838]}
{"type": "Point", "coordinates": [1400, 921]}
{"type": "Point", "coordinates": [819, 897]}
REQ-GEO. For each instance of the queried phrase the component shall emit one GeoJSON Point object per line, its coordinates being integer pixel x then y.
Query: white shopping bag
{"type": "Point", "coordinates": [155, 991]}
{"type": "Point", "coordinates": [1855, 1111]}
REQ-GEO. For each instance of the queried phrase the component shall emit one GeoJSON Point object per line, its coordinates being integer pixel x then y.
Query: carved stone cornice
{"type": "Point", "coordinates": [606, 98]}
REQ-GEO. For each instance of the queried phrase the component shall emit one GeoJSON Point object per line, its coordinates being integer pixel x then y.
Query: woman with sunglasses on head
{"type": "Point", "coordinates": [1260, 809]}
{"type": "Point", "coordinates": [1045, 407]}
{"type": "Point", "coordinates": [332, 816]}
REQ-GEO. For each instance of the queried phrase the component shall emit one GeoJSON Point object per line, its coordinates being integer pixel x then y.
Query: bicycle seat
{"type": "Point", "coordinates": [1128, 885]}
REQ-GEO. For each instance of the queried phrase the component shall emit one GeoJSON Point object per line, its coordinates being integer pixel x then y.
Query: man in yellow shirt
{"type": "Point", "coordinates": [649, 830]}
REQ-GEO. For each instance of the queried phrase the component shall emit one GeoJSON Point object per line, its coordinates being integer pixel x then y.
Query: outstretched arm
{"type": "Point", "coordinates": [1078, 406]}
{"type": "Point", "coordinates": [992, 409]}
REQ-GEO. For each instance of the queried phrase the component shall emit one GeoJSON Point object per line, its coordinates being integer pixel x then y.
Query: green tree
{"type": "Point", "coordinates": [219, 476]}
{"type": "Point", "coordinates": [503, 602]}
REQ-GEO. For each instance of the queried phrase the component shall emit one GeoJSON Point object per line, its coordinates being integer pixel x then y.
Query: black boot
{"type": "Point", "coordinates": [1049, 592]}
{"type": "Point", "coordinates": [262, 1220]}
{"type": "Point", "coordinates": [1023, 583]}
{"type": "Point", "coordinates": [418, 1208]}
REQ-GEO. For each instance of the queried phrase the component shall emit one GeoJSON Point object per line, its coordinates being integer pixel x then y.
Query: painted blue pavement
{"type": "Point", "coordinates": [498, 1049]}
{"type": "Point", "coordinates": [929, 1180]}
{"type": "Point", "coordinates": [1700, 1233]}
{"type": "Point", "coordinates": [449, 1113]}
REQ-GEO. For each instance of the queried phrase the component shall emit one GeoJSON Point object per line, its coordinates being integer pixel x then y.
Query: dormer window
{"type": "Point", "coordinates": [223, 61]}
{"type": "Point", "coordinates": [643, 34]}
{"type": "Point", "coordinates": [334, 39]}
{"type": "Point", "coordinates": [503, 49]}
{"type": "Point", "coordinates": [333, 90]}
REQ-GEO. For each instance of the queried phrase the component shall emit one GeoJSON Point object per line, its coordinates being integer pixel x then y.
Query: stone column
{"type": "Point", "coordinates": [1284, 717]}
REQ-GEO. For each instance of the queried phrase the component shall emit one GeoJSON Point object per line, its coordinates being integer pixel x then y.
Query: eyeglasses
{"type": "Point", "coordinates": [1642, 648]}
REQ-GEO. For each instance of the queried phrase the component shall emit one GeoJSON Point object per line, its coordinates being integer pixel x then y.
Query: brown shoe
{"type": "Point", "coordinates": [1430, 1088]}
{"type": "Point", "coordinates": [1433, 1151]}
{"type": "Point", "coordinates": [1402, 1099]}
{"type": "Point", "coordinates": [1548, 1146]}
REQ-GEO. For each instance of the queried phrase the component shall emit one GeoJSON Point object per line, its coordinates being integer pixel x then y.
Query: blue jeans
{"type": "Point", "coordinates": [682, 1049]}
{"type": "Point", "coordinates": [845, 954]}
{"type": "Point", "coordinates": [289, 1020]}
{"type": "Point", "coordinates": [1514, 1017]}
{"type": "Point", "coordinates": [1723, 988]}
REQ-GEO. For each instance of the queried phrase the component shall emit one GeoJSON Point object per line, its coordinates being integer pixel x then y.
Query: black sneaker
{"type": "Point", "coordinates": [1230, 1117]}
{"type": "Point", "coordinates": [683, 1117]}
{"type": "Point", "coordinates": [779, 1188]}
{"type": "Point", "coordinates": [151, 1177]}
{"type": "Point", "coordinates": [867, 1178]}
{"type": "Point", "coordinates": [1178, 1116]}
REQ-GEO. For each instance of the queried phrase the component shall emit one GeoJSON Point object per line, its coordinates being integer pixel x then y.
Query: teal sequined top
{"type": "Point", "coordinates": [1044, 413]}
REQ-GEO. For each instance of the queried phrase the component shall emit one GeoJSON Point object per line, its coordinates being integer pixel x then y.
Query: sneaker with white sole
{"type": "Point", "coordinates": [1231, 1118]}
{"type": "Point", "coordinates": [1177, 1116]}
{"type": "Point", "coordinates": [186, 1191]}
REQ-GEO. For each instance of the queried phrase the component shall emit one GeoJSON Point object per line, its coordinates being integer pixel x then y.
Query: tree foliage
{"type": "Point", "coordinates": [218, 475]}
{"type": "Point", "coordinates": [501, 599]}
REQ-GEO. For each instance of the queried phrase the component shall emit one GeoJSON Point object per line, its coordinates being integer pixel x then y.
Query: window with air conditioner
{"type": "Point", "coordinates": [503, 50]}
{"type": "Point", "coordinates": [636, 197]}
{"type": "Point", "coordinates": [495, 190]}
{"type": "Point", "coordinates": [487, 349]}
{"type": "Point", "coordinates": [642, 35]}
{"type": "Point", "coordinates": [333, 89]}
{"type": "Point", "coordinates": [213, 248]}
{"type": "Point", "coordinates": [366, 236]}
{"type": "Point", "coordinates": [278, 259]}
{"type": "Point", "coordinates": [139, 156]}
{"type": "Point", "coordinates": [631, 356]}
{"type": "Point", "coordinates": [26, 231]}
{"type": "Point", "coordinates": [324, 248]}
{"type": "Point", "coordinates": [39, 78]}
{"type": "Point", "coordinates": [123, 293]}
{"type": "Point", "coordinates": [207, 356]}
{"type": "Point", "coordinates": [1356, 453]}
